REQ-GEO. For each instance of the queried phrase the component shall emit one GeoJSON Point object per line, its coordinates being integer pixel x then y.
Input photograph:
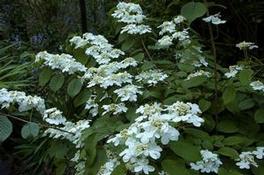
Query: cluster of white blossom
{"type": "Point", "coordinates": [233, 70]}
{"type": "Point", "coordinates": [246, 45]}
{"type": "Point", "coordinates": [25, 102]}
{"type": "Point", "coordinates": [248, 158]}
{"type": "Point", "coordinates": [80, 164]}
{"type": "Point", "coordinates": [214, 19]}
{"type": "Point", "coordinates": [198, 73]}
{"type": "Point", "coordinates": [92, 106]}
{"type": "Point", "coordinates": [154, 124]}
{"type": "Point", "coordinates": [108, 167]}
{"type": "Point", "coordinates": [132, 15]}
{"type": "Point", "coordinates": [209, 163]}
{"type": "Point", "coordinates": [257, 86]}
{"type": "Point", "coordinates": [54, 116]}
{"type": "Point", "coordinates": [169, 32]}
{"type": "Point", "coordinates": [63, 62]}
{"type": "Point", "coordinates": [128, 92]}
{"type": "Point", "coordinates": [151, 77]}
{"type": "Point", "coordinates": [115, 108]}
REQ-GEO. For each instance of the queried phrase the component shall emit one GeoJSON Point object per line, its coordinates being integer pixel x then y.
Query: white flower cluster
{"type": "Point", "coordinates": [201, 62]}
{"type": "Point", "coordinates": [132, 15]}
{"type": "Point", "coordinates": [63, 62]}
{"type": "Point", "coordinates": [99, 48]}
{"type": "Point", "coordinates": [80, 164]}
{"type": "Point", "coordinates": [233, 70]}
{"type": "Point", "coordinates": [257, 86]}
{"type": "Point", "coordinates": [69, 130]}
{"type": "Point", "coordinates": [128, 92]}
{"type": "Point", "coordinates": [115, 108]}
{"type": "Point", "coordinates": [248, 158]}
{"type": "Point", "coordinates": [153, 125]}
{"type": "Point", "coordinates": [151, 77]}
{"type": "Point", "coordinates": [169, 32]}
{"type": "Point", "coordinates": [108, 167]}
{"type": "Point", "coordinates": [25, 102]}
{"type": "Point", "coordinates": [198, 73]}
{"type": "Point", "coordinates": [92, 106]}
{"type": "Point", "coordinates": [214, 19]}
{"type": "Point", "coordinates": [209, 163]}
{"type": "Point", "coordinates": [246, 45]}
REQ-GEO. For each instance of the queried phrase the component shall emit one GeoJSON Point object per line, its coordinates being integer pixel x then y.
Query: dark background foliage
{"type": "Point", "coordinates": [35, 25]}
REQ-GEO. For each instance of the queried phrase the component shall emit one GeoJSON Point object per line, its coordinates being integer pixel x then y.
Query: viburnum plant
{"type": "Point", "coordinates": [159, 105]}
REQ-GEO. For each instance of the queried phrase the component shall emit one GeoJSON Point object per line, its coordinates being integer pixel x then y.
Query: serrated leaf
{"type": "Point", "coordinates": [30, 130]}
{"type": "Point", "coordinates": [6, 128]}
{"type": "Point", "coordinates": [74, 87]}
{"type": "Point", "coordinates": [259, 116]}
{"type": "Point", "coordinates": [45, 76]}
{"type": "Point", "coordinates": [56, 82]}
{"type": "Point", "coordinates": [245, 76]}
{"type": "Point", "coordinates": [193, 10]}
{"type": "Point", "coordinates": [227, 126]}
{"type": "Point", "coordinates": [246, 104]}
{"type": "Point", "coordinates": [189, 153]}
{"type": "Point", "coordinates": [170, 166]}
{"type": "Point", "coordinates": [229, 152]}
{"type": "Point", "coordinates": [229, 95]}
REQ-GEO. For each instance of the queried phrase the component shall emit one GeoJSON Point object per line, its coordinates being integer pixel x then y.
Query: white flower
{"type": "Point", "coordinates": [214, 19]}
{"type": "Point", "coordinates": [128, 13]}
{"type": "Point", "coordinates": [181, 35]}
{"type": "Point", "coordinates": [209, 163]}
{"type": "Point", "coordinates": [108, 167]}
{"type": "Point", "coordinates": [165, 41]}
{"type": "Point", "coordinates": [179, 19]}
{"type": "Point", "coordinates": [167, 27]}
{"type": "Point", "coordinates": [257, 85]}
{"type": "Point", "coordinates": [151, 77]}
{"type": "Point", "coordinates": [246, 45]}
{"type": "Point", "coordinates": [259, 153]}
{"type": "Point", "coordinates": [64, 62]}
{"type": "Point", "coordinates": [136, 29]}
{"type": "Point", "coordinates": [245, 160]}
{"type": "Point", "coordinates": [115, 108]}
{"type": "Point", "coordinates": [200, 62]}
{"type": "Point", "coordinates": [233, 70]}
{"type": "Point", "coordinates": [198, 73]}
{"type": "Point", "coordinates": [128, 92]}
{"type": "Point", "coordinates": [54, 116]}
{"type": "Point", "coordinates": [92, 106]}
{"type": "Point", "coordinates": [143, 166]}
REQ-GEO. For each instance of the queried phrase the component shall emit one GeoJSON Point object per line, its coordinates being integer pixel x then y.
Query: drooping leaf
{"type": "Point", "coordinates": [30, 130]}
{"type": "Point", "coordinates": [56, 82]}
{"type": "Point", "coordinates": [259, 116]}
{"type": "Point", "coordinates": [74, 87]}
{"type": "Point", "coordinates": [193, 10]}
{"type": "Point", "coordinates": [6, 128]}
{"type": "Point", "coordinates": [45, 76]}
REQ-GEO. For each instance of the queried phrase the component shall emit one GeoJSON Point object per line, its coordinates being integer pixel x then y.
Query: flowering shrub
{"type": "Point", "coordinates": [162, 107]}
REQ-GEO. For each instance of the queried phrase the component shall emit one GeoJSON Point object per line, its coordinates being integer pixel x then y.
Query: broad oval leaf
{"type": "Point", "coordinates": [259, 116]}
{"type": "Point", "coordinates": [229, 152]}
{"type": "Point", "coordinates": [193, 10]}
{"type": "Point", "coordinates": [189, 153]}
{"type": "Point", "coordinates": [45, 76]}
{"type": "Point", "coordinates": [6, 128]}
{"type": "Point", "coordinates": [30, 130]}
{"type": "Point", "coordinates": [74, 87]}
{"type": "Point", "coordinates": [56, 82]}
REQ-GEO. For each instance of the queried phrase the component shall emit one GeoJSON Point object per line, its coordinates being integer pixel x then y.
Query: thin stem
{"type": "Point", "coordinates": [146, 50]}
{"type": "Point", "coordinates": [215, 59]}
{"type": "Point", "coordinates": [25, 121]}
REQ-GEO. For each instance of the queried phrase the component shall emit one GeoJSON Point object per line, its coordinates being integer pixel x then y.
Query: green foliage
{"type": "Point", "coordinates": [30, 130]}
{"type": "Point", "coordinates": [193, 10]}
{"type": "Point", "coordinates": [6, 128]}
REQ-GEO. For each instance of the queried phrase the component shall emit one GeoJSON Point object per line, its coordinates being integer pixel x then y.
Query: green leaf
{"type": "Point", "coordinates": [56, 82]}
{"type": "Point", "coordinates": [194, 82]}
{"type": "Point", "coordinates": [229, 152]}
{"type": "Point", "coordinates": [82, 97]}
{"type": "Point", "coordinates": [227, 126]}
{"type": "Point", "coordinates": [246, 104]}
{"type": "Point", "coordinates": [229, 95]}
{"type": "Point", "coordinates": [204, 104]}
{"type": "Point", "coordinates": [193, 10]}
{"type": "Point", "coordinates": [259, 116]}
{"type": "Point", "coordinates": [245, 76]}
{"type": "Point", "coordinates": [120, 170]}
{"type": "Point", "coordinates": [235, 140]}
{"type": "Point", "coordinates": [6, 128]}
{"type": "Point", "coordinates": [170, 166]}
{"type": "Point", "coordinates": [127, 44]}
{"type": "Point", "coordinates": [223, 171]}
{"type": "Point", "coordinates": [45, 76]}
{"type": "Point", "coordinates": [186, 67]}
{"type": "Point", "coordinates": [139, 57]}
{"type": "Point", "coordinates": [30, 130]}
{"type": "Point", "coordinates": [189, 153]}
{"type": "Point", "coordinates": [74, 87]}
